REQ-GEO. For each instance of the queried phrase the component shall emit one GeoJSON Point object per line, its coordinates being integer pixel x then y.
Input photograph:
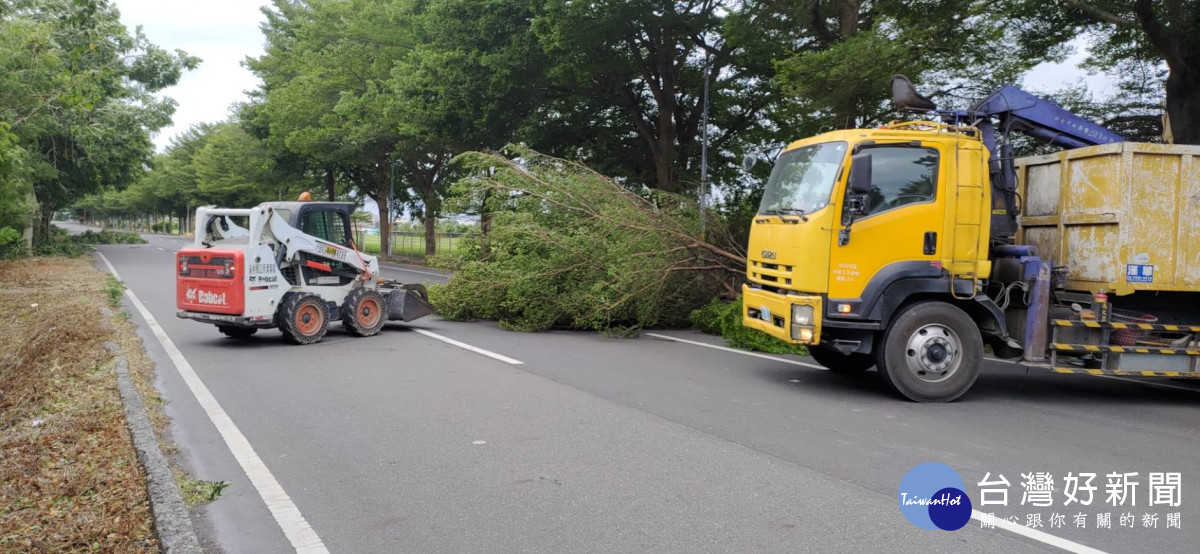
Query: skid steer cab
{"type": "Point", "coordinates": [291, 265]}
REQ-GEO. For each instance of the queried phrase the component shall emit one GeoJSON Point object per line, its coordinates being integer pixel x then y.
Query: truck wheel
{"type": "Point", "coordinates": [844, 364]}
{"type": "Point", "coordinates": [303, 318]}
{"type": "Point", "coordinates": [931, 352]}
{"type": "Point", "coordinates": [364, 311]}
{"type": "Point", "coordinates": [237, 332]}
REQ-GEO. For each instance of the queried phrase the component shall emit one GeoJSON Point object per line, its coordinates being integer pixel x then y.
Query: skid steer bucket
{"type": "Point", "coordinates": [408, 302]}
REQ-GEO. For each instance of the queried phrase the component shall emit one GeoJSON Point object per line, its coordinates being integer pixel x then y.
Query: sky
{"type": "Point", "coordinates": [223, 33]}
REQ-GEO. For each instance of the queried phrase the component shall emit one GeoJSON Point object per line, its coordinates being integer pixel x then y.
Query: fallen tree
{"type": "Point", "coordinates": [563, 246]}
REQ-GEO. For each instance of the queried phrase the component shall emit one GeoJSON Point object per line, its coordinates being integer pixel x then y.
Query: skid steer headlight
{"type": "Point", "coordinates": [802, 315]}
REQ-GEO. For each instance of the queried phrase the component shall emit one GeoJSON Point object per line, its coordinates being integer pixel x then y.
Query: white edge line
{"type": "Point", "coordinates": [736, 351]}
{"type": "Point", "coordinates": [466, 346]}
{"type": "Point", "coordinates": [1034, 534]}
{"type": "Point", "coordinates": [414, 271]}
{"type": "Point", "coordinates": [1146, 382]}
{"type": "Point", "coordinates": [286, 514]}
{"type": "Point", "coordinates": [1040, 536]}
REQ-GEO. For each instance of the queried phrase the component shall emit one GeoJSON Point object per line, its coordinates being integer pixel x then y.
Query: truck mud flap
{"type": "Point", "coordinates": [408, 302]}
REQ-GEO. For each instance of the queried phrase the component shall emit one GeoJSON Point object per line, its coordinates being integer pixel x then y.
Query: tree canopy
{"type": "Point", "coordinates": [1152, 47]}
{"type": "Point", "coordinates": [367, 97]}
{"type": "Point", "coordinates": [77, 95]}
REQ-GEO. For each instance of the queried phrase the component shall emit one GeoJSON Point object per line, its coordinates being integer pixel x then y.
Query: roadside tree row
{"type": "Point", "coordinates": [375, 98]}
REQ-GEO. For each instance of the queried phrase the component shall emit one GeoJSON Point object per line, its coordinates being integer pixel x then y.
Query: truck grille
{"type": "Point", "coordinates": [769, 273]}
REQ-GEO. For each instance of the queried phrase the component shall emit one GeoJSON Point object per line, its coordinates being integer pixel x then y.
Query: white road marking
{"type": "Point", "coordinates": [736, 351]}
{"type": "Point", "coordinates": [1042, 537]}
{"type": "Point", "coordinates": [414, 271]}
{"type": "Point", "coordinates": [466, 346]}
{"type": "Point", "coordinates": [287, 515]}
{"type": "Point", "coordinates": [161, 248]}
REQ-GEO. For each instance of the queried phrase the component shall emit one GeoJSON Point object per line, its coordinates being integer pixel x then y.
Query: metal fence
{"type": "Point", "coordinates": [409, 243]}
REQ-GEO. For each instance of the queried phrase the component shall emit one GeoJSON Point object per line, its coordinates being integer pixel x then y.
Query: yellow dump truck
{"type": "Point", "coordinates": [912, 246]}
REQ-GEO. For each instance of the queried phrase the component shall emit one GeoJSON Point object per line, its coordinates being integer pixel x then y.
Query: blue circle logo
{"type": "Point", "coordinates": [932, 496]}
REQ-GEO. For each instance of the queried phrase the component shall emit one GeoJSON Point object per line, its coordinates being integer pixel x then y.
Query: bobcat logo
{"type": "Point", "coordinates": [204, 297]}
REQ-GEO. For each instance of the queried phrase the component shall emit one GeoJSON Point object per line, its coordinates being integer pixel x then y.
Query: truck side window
{"type": "Point", "coordinates": [902, 175]}
{"type": "Point", "coordinates": [328, 226]}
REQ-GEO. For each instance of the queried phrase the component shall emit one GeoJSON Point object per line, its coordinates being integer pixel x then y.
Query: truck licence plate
{"type": "Point", "coordinates": [765, 313]}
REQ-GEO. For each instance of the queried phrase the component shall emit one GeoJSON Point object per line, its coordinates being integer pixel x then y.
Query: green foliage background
{"type": "Point", "coordinates": [724, 319]}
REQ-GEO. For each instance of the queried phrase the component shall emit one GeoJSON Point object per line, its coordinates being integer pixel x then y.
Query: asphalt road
{"type": "Point", "coordinates": [402, 442]}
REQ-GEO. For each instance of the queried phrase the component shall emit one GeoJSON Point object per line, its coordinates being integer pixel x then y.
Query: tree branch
{"type": "Point", "coordinates": [1102, 15]}
{"type": "Point", "coordinates": [1157, 33]}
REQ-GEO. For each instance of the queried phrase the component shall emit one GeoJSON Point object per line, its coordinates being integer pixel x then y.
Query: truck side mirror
{"type": "Point", "coordinates": [860, 173]}
{"type": "Point", "coordinates": [858, 200]}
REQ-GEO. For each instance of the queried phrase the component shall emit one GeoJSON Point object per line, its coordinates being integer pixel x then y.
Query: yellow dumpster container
{"type": "Point", "coordinates": [1122, 217]}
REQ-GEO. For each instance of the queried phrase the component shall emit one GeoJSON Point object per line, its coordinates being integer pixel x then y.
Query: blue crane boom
{"type": "Point", "coordinates": [1020, 111]}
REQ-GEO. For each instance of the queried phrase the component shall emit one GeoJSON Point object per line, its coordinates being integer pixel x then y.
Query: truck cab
{"type": "Point", "coordinates": [859, 226]}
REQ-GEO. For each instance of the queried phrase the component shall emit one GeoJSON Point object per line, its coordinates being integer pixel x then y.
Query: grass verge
{"type": "Point", "coordinates": [69, 476]}
{"type": "Point", "coordinates": [410, 246]}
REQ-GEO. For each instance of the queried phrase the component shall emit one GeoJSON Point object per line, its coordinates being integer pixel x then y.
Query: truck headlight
{"type": "Point", "coordinates": [802, 315]}
{"type": "Point", "coordinates": [804, 334]}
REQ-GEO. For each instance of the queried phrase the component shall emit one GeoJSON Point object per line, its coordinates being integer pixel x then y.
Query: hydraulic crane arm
{"type": "Point", "coordinates": [1020, 111]}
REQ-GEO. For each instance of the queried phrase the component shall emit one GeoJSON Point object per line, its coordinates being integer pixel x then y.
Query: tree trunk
{"type": "Point", "coordinates": [664, 175]}
{"type": "Point", "coordinates": [329, 188]}
{"type": "Point", "coordinates": [385, 223]}
{"type": "Point", "coordinates": [1183, 105]}
{"type": "Point", "coordinates": [485, 225]}
{"type": "Point", "coordinates": [41, 230]}
{"type": "Point", "coordinates": [430, 233]}
{"type": "Point", "coordinates": [426, 187]}
{"type": "Point", "coordinates": [664, 154]}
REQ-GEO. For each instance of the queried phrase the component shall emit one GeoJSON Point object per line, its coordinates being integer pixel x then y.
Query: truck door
{"type": "Point", "coordinates": [899, 231]}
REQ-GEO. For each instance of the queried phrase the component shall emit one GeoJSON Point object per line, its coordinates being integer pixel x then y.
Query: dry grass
{"type": "Point", "coordinates": [69, 477]}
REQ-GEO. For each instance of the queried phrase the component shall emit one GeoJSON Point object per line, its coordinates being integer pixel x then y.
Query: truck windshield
{"type": "Point", "coordinates": [802, 181]}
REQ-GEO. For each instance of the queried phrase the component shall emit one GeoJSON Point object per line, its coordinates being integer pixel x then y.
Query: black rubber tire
{"type": "Point", "coordinates": [296, 318]}
{"type": "Point", "coordinates": [842, 364]}
{"type": "Point", "coordinates": [371, 320]}
{"type": "Point", "coordinates": [893, 356]}
{"type": "Point", "coordinates": [237, 332]}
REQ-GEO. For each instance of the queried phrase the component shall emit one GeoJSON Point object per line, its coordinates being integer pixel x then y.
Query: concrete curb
{"type": "Point", "coordinates": [172, 524]}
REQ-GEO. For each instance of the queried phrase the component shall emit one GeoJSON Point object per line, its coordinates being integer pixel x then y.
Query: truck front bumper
{"type": "Point", "coordinates": [230, 320]}
{"type": "Point", "coordinates": [772, 313]}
